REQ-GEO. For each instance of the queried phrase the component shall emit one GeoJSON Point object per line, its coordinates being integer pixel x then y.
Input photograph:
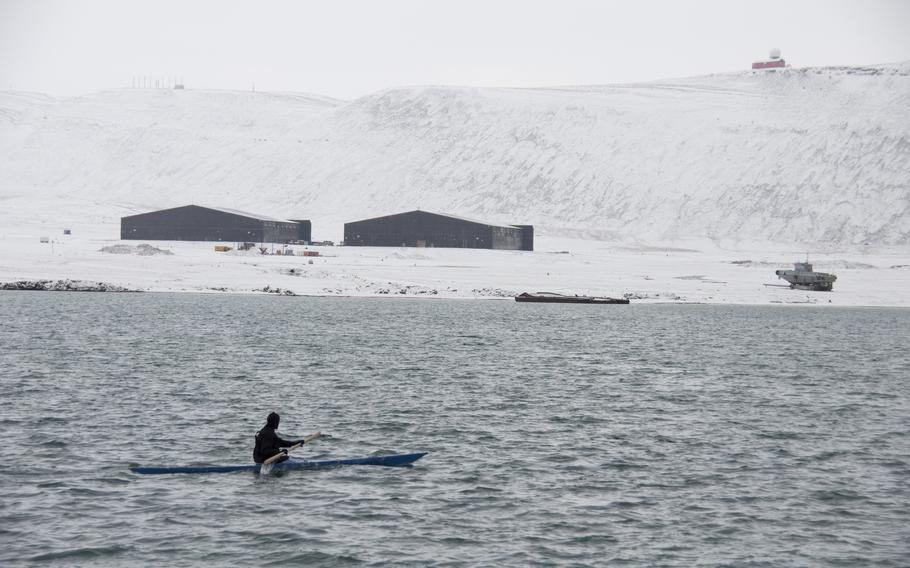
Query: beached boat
{"type": "Point", "coordinates": [396, 460]}
{"type": "Point", "coordinates": [554, 298]}
{"type": "Point", "coordinates": [802, 277]}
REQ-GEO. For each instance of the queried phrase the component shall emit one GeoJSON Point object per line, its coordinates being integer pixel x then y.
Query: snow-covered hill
{"type": "Point", "coordinates": [797, 156]}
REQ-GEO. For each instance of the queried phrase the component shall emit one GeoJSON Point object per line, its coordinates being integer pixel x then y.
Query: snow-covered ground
{"type": "Point", "coordinates": [685, 190]}
{"type": "Point", "coordinates": [696, 272]}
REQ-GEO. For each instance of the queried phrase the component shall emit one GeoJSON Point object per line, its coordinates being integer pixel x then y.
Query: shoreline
{"type": "Point", "coordinates": [686, 273]}
{"type": "Point", "coordinates": [107, 287]}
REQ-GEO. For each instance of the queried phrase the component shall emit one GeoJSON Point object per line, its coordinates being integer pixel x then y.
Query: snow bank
{"type": "Point", "coordinates": [700, 271]}
{"type": "Point", "coordinates": [141, 250]}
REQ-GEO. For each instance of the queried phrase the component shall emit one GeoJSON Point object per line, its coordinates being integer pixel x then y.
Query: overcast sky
{"type": "Point", "coordinates": [349, 48]}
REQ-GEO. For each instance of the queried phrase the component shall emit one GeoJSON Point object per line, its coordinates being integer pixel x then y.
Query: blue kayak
{"type": "Point", "coordinates": [396, 460]}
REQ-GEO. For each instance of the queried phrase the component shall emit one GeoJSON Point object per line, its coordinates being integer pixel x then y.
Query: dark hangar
{"type": "Point", "coordinates": [426, 229]}
{"type": "Point", "coordinates": [197, 223]}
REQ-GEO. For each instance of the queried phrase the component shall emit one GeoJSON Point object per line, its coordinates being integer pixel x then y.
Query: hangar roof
{"type": "Point", "coordinates": [441, 215]}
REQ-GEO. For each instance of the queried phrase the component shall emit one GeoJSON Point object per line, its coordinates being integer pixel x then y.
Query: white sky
{"type": "Point", "coordinates": [350, 48]}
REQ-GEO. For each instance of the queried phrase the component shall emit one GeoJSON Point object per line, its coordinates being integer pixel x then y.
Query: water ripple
{"type": "Point", "coordinates": [558, 435]}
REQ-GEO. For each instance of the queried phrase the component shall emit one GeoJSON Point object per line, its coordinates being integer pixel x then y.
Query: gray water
{"type": "Point", "coordinates": [641, 435]}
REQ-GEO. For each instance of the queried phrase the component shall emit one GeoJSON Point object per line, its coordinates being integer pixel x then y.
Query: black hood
{"type": "Point", "coordinates": [273, 420]}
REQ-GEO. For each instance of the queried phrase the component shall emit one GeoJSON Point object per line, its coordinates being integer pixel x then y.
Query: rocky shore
{"type": "Point", "coordinates": [64, 286]}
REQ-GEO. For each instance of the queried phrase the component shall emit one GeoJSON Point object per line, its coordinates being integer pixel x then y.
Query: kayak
{"type": "Point", "coordinates": [396, 460]}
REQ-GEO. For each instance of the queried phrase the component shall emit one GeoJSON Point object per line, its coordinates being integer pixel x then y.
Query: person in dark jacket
{"type": "Point", "coordinates": [269, 443]}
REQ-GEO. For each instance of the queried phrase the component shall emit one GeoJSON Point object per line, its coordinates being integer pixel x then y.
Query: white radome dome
{"type": "Point", "coordinates": [775, 53]}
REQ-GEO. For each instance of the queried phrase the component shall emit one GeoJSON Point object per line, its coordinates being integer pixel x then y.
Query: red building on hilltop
{"type": "Point", "coordinates": [774, 61]}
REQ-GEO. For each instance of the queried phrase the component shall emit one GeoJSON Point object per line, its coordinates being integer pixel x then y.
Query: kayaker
{"type": "Point", "coordinates": [269, 443]}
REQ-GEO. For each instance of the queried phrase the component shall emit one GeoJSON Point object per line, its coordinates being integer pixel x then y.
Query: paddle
{"type": "Point", "coordinates": [267, 464]}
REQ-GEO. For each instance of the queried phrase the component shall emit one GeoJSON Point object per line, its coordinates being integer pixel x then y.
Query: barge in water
{"type": "Point", "coordinates": [553, 298]}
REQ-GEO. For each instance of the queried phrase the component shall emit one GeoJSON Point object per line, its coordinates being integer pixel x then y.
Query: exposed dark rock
{"type": "Point", "coordinates": [269, 290]}
{"type": "Point", "coordinates": [64, 286]}
{"type": "Point", "coordinates": [493, 292]}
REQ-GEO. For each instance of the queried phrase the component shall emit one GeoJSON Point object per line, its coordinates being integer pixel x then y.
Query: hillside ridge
{"type": "Point", "coordinates": [813, 155]}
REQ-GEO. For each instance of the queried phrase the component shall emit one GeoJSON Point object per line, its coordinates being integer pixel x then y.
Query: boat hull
{"type": "Point", "coordinates": [550, 298]}
{"type": "Point", "coordinates": [396, 460]}
{"type": "Point", "coordinates": [802, 277]}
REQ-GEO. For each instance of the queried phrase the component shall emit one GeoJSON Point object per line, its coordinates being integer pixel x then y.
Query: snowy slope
{"type": "Point", "coordinates": [815, 156]}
